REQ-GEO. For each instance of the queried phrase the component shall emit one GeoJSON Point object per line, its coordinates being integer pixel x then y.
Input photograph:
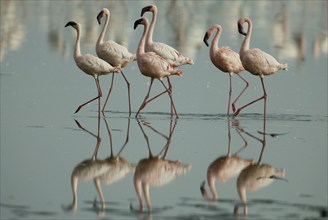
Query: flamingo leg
{"type": "Point", "coordinates": [170, 90]}
{"type": "Point", "coordinates": [262, 97]}
{"type": "Point", "coordinates": [91, 100]}
{"type": "Point", "coordinates": [129, 94]}
{"type": "Point", "coordinates": [172, 103]}
{"type": "Point", "coordinates": [234, 102]}
{"type": "Point", "coordinates": [109, 92]}
{"type": "Point", "coordinates": [230, 92]}
{"type": "Point", "coordinates": [144, 103]}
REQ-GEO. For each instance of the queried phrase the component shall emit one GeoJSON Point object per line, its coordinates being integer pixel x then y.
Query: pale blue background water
{"type": "Point", "coordinates": [41, 88]}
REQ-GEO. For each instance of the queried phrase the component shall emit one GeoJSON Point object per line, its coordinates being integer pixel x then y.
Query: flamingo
{"type": "Point", "coordinates": [173, 56]}
{"type": "Point", "coordinates": [225, 59]}
{"type": "Point", "coordinates": [90, 64]}
{"type": "Point", "coordinates": [156, 170]}
{"type": "Point", "coordinates": [113, 53]}
{"type": "Point", "coordinates": [256, 61]}
{"type": "Point", "coordinates": [170, 54]}
{"type": "Point", "coordinates": [152, 65]}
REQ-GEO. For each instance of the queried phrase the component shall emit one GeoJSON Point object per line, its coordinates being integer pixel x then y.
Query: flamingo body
{"type": "Point", "coordinates": [260, 63]}
{"type": "Point", "coordinates": [93, 66]}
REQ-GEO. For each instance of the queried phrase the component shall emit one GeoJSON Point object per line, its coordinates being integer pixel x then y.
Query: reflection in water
{"type": "Point", "coordinates": [107, 171]}
{"type": "Point", "coordinates": [226, 166]}
{"type": "Point", "coordinates": [257, 175]}
{"type": "Point", "coordinates": [156, 170]}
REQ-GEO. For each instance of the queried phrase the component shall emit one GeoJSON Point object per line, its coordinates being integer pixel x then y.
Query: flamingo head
{"type": "Point", "coordinates": [73, 24]}
{"type": "Point", "coordinates": [151, 8]}
{"type": "Point", "coordinates": [139, 21]}
{"type": "Point", "coordinates": [240, 26]}
{"type": "Point", "coordinates": [103, 12]}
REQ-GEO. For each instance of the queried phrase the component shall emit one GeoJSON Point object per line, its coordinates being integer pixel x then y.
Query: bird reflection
{"type": "Point", "coordinates": [256, 175]}
{"type": "Point", "coordinates": [108, 170]}
{"type": "Point", "coordinates": [225, 167]}
{"type": "Point", "coordinates": [156, 170]}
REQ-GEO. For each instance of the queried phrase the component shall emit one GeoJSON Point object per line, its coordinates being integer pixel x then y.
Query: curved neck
{"type": "Point", "coordinates": [215, 42]}
{"type": "Point", "coordinates": [77, 50]}
{"type": "Point", "coordinates": [151, 28]}
{"type": "Point", "coordinates": [102, 33]}
{"type": "Point", "coordinates": [246, 42]}
{"type": "Point", "coordinates": [141, 46]}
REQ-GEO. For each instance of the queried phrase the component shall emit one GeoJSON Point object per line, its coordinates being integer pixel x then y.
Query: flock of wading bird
{"type": "Point", "coordinates": [158, 60]}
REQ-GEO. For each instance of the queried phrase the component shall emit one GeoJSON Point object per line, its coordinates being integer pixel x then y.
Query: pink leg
{"type": "Point", "coordinates": [230, 92]}
{"type": "Point", "coordinates": [247, 84]}
{"type": "Point", "coordinates": [129, 96]}
{"type": "Point", "coordinates": [144, 103]}
{"type": "Point", "coordinates": [262, 97]}
{"type": "Point", "coordinates": [170, 90]}
{"type": "Point", "coordinates": [171, 99]}
{"type": "Point", "coordinates": [109, 92]}
{"type": "Point", "coordinates": [98, 97]}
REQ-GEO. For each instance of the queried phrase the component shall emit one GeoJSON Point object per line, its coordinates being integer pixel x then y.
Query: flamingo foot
{"type": "Point", "coordinates": [237, 112]}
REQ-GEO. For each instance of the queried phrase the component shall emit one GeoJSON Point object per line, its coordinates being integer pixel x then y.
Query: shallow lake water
{"type": "Point", "coordinates": [46, 148]}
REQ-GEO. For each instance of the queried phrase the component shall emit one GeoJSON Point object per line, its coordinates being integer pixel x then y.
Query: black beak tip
{"type": "Point", "coordinates": [70, 23]}
{"type": "Point", "coordinates": [99, 16]}
{"type": "Point", "coordinates": [136, 23]}
{"type": "Point", "coordinates": [241, 29]}
{"type": "Point", "coordinates": [145, 9]}
{"type": "Point", "coordinates": [205, 39]}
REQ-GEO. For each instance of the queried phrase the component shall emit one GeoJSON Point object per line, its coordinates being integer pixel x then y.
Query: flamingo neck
{"type": "Point", "coordinates": [149, 39]}
{"type": "Point", "coordinates": [141, 46]}
{"type": "Point", "coordinates": [246, 42]}
{"type": "Point", "coordinates": [77, 50]}
{"type": "Point", "coordinates": [103, 31]}
{"type": "Point", "coordinates": [215, 42]}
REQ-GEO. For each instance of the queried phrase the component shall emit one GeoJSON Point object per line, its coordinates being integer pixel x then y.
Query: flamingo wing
{"type": "Point", "coordinates": [114, 53]}
{"type": "Point", "coordinates": [154, 66]}
{"type": "Point", "coordinates": [93, 65]}
{"type": "Point", "coordinates": [258, 62]}
{"type": "Point", "coordinates": [167, 52]}
{"type": "Point", "coordinates": [227, 60]}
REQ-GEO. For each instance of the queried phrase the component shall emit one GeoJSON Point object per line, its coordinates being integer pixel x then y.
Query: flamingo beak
{"type": "Point", "coordinates": [99, 16]}
{"type": "Point", "coordinates": [241, 29]}
{"type": "Point", "coordinates": [137, 22]}
{"type": "Point", "coordinates": [70, 23]}
{"type": "Point", "coordinates": [206, 36]}
{"type": "Point", "coordinates": [145, 9]}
